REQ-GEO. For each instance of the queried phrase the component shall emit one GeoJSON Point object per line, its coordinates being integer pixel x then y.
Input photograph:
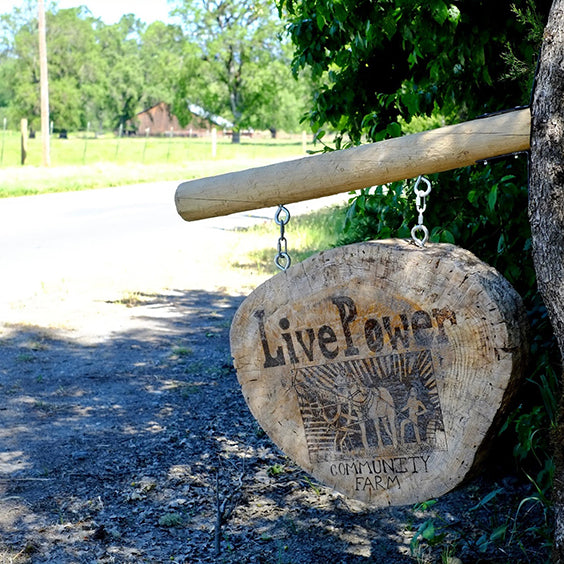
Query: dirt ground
{"type": "Point", "coordinates": [124, 438]}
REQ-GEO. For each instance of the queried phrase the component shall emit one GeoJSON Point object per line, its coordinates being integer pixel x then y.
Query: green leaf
{"type": "Point", "coordinates": [453, 14]}
{"type": "Point", "coordinates": [428, 531]}
{"type": "Point", "coordinates": [499, 532]}
{"type": "Point", "coordinates": [440, 12]}
{"type": "Point", "coordinates": [486, 499]}
{"type": "Point", "coordinates": [492, 198]}
{"type": "Point", "coordinates": [447, 236]}
{"type": "Point", "coordinates": [389, 25]}
{"type": "Point", "coordinates": [320, 20]}
{"type": "Point", "coordinates": [393, 129]}
{"type": "Point", "coordinates": [501, 244]}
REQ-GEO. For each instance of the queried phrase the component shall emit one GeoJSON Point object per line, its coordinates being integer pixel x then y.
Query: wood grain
{"type": "Point", "coordinates": [325, 174]}
{"type": "Point", "coordinates": [380, 367]}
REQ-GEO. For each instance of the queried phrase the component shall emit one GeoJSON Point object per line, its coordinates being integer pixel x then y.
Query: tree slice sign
{"type": "Point", "coordinates": [380, 367]}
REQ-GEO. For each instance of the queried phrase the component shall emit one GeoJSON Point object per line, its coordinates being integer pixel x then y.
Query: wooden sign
{"type": "Point", "coordinates": [379, 367]}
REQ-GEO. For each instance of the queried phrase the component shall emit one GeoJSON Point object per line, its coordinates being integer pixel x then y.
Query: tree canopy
{"type": "Point", "coordinates": [244, 72]}
{"type": "Point", "coordinates": [227, 57]}
{"type": "Point", "coordinates": [378, 62]}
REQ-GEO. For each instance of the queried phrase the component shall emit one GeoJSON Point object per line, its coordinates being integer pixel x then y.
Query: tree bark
{"type": "Point", "coordinates": [546, 213]}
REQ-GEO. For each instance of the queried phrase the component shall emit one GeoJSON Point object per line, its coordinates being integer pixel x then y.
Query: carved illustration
{"type": "Point", "coordinates": [370, 407]}
{"type": "Point", "coordinates": [414, 408]}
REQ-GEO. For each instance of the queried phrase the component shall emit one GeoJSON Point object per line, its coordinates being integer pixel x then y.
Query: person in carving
{"type": "Point", "coordinates": [345, 412]}
{"type": "Point", "coordinates": [415, 408]}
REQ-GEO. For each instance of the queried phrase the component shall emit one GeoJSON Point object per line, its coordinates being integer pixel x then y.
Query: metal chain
{"type": "Point", "coordinates": [282, 259]}
{"type": "Point", "coordinates": [421, 205]}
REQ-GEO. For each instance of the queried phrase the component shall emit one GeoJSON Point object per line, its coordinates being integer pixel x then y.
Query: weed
{"type": "Point", "coordinates": [36, 345]}
{"type": "Point", "coordinates": [190, 389]}
{"type": "Point", "coordinates": [25, 357]}
{"type": "Point", "coordinates": [276, 469]}
{"type": "Point", "coordinates": [430, 532]}
{"type": "Point", "coordinates": [44, 407]}
{"type": "Point", "coordinates": [171, 520]}
{"type": "Point", "coordinates": [131, 299]}
{"type": "Point", "coordinates": [313, 486]}
{"type": "Point", "coordinates": [180, 351]}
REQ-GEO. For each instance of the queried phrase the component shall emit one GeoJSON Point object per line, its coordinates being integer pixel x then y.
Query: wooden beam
{"type": "Point", "coordinates": [325, 174]}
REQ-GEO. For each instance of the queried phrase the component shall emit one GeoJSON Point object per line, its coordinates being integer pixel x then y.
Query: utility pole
{"type": "Point", "coordinates": [44, 85]}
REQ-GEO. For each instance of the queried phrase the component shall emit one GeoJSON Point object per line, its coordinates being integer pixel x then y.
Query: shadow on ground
{"type": "Point", "coordinates": [140, 448]}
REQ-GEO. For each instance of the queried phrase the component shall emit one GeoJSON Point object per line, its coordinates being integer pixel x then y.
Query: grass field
{"type": "Point", "coordinates": [82, 162]}
{"type": "Point", "coordinates": [307, 234]}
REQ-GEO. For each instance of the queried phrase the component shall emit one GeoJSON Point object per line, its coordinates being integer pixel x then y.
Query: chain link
{"type": "Point", "coordinates": [421, 206]}
{"type": "Point", "coordinates": [282, 259]}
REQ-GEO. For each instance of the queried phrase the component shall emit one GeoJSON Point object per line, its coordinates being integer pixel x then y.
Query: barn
{"type": "Point", "coordinates": [159, 120]}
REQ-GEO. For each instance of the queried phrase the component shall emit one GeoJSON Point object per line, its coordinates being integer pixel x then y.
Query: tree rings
{"type": "Point", "coordinates": [380, 367]}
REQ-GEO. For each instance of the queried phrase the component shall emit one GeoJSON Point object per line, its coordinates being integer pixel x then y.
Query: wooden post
{"type": "Point", "coordinates": [23, 130]}
{"type": "Point", "coordinates": [85, 143]}
{"type": "Point", "coordinates": [5, 121]}
{"type": "Point", "coordinates": [214, 142]}
{"type": "Point", "coordinates": [147, 130]}
{"type": "Point", "coordinates": [120, 133]}
{"type": "Point", "coordinates": [44, 86]}
{"type": "Point", "coordinates": [352, 169]}
{"type": "Point", "coordinates": [170, 133]}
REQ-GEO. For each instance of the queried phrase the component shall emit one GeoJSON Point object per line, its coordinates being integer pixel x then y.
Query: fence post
{"type": "Point", "coordinates": [3, 140]}
{"type": "Point", "coordinates": [23, 129]}
{"type": "Point", "coordinates": [170, 134]}
{"type": "Point", "coordinates": [120, 133]}
{"type": "Point", "coordinates": [147, 130]}
{"type": "Point", "coordinates": [214, 142]}
{"type": "Point", "coordinates": [85, 143]}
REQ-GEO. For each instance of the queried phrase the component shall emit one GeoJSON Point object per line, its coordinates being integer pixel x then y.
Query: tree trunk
{"type": "Point", "coordinates": [546, 212]}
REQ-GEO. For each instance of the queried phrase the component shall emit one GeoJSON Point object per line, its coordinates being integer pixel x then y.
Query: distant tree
{"type": "Point", "coordinates": [124, 86]}
{"type": "Point", "coordinates": [239, 74]}
{"type": "Point", "coordinates": [19, 66]}
{"type": "Point", "coordinates": [162, 51]}
{"type": "Point", "coordinates": [98, 73]}
{"type": "Point", "coordinates": [281, 100]}
{"type": "Point", "coordinates": [76, 68]}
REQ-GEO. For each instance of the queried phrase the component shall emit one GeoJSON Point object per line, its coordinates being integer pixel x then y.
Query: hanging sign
{"type": "Point", "coordinates": [379, 367]}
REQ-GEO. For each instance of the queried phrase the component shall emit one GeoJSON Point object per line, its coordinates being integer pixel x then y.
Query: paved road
{"type": "Point", "coordinates": [65, 247]}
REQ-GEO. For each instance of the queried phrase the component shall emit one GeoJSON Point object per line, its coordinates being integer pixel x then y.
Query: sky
{"type": "Point", "coordinates": [110, 11]}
